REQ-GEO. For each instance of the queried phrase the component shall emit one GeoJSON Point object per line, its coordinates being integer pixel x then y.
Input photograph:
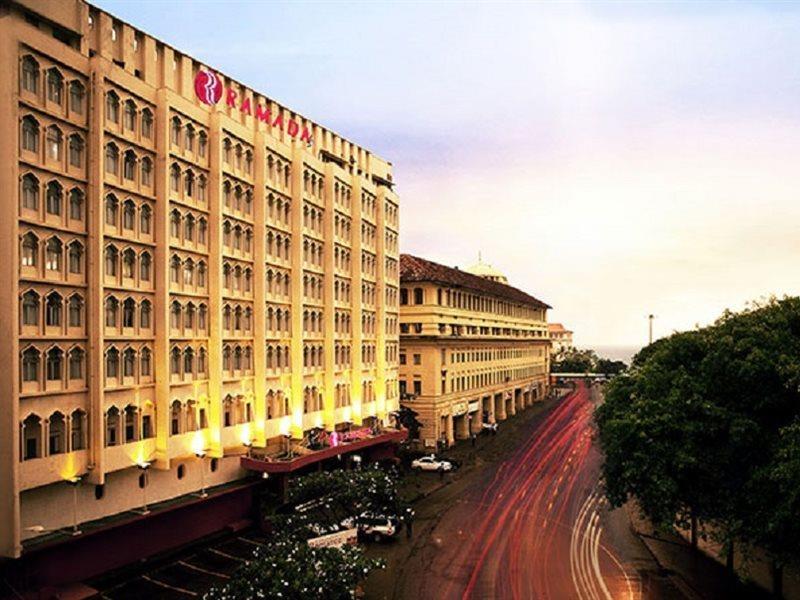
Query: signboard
{"type": "Point", "coordinates": [209, 90]}
{"type": "Point", "coordinates": [335, 540]}
{"type": "Point", "coordinates": [474, 405]}
{"type": "Point", "coordinates": [459, 409]}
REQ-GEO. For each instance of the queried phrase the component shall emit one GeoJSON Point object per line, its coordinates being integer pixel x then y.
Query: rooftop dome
{"type": "Point", "coordinates": [487, 271]}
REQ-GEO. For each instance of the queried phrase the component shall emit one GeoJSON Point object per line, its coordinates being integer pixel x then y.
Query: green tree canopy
{"type": "Point", "coordinates": [704, 425]}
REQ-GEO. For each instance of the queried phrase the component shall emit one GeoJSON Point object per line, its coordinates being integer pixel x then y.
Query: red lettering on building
{"type": "Point", "coordinates": [230, 97]}
{"type": "Point", "coordinates": [208, 88]}
{"type": "Point", "coordinates": [246, 108]}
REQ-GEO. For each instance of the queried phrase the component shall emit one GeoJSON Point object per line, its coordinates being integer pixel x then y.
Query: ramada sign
{"type": "Point", "coordinates": [209, 90]}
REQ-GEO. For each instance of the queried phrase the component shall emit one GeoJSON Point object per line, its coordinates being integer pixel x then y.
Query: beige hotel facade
{"type": "Point", "coordinates": [189, 269]}
{"type": "Point", "coordinates": [473, 349]}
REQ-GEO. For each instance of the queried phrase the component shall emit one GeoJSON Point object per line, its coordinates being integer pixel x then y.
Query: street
{"type": "Point", "coordinates": [534, 525]}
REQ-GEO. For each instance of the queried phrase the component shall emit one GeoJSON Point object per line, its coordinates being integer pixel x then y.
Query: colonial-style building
{"type": "Point", "coordinates": [560, 337]}
{"type": "Point", "coordinates": [472, 349]}
{"type": "Point", "coordinates": [189, 271]}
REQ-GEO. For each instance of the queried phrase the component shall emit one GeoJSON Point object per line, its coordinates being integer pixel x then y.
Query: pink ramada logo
{"type": "Point", "coordinates": [208, 87]}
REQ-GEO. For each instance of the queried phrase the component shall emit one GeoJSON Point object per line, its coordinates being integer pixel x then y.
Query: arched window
{"type": "Point", "coordinates": [175, 136]}
{"type": "Point", "coordinates": [175, 270]}
{"type": "Point", "coordinates": [30, 308]}
{"type": "Point", "coordinates": [78, 429]}
{"type": "Point", "coordinates": [144, 266]}
{"type": "Point", "coordinates": [129, 122]}
{"type": "Point", "coordinates": [144, 314]}
{"type": "Point", "coordinates": [112, 107]}
{"type": "Point", "coordinates": [175, 417]}
{"type": "Point", "coordinates": [30, 250]}
{"type": "Point", "coordinates": [175, 178]}
{"type": "Point", "coordinates": [111, 309]}
{"type": "Point", "coordinates": [202, 229]}
{"type": "Point", "coordinates": [30, 134]}
{"type": "Point", "coordinates": [189, 137]}
{"type": "Point", "coordinates": [55, 364]}
{"type": "Point", "coordinates": [147, 171]}
{"type": "Point", "coordinates": [112, 255]}
{"type": "Point", "coordinates": [75, 257]}
{"type": "Point", "coordinates": [32, 436]}
{"type": "Point", "coordinates": [188, 361]}
{"type": "Point", "coordinates": [129, 165]}
{"type": "Point", "coordinates": [175, 315]}
{"type": "Point", "coordinates": [202, 143]}
{"type": "Point", "coordinates": [54, 254]}
{"type": "Point", "coordinates": [112, 159]}
{"type": "Point", "coordinates": [75, 150]}
{"type": "Point", "coordinates": [30, 74]}
{"type": "Point", "coordinates": [129, 362]}
{"type": "Point", "coordinates": [76, 356]}
{"type": "Point", "coordinates": [128, 215]}
{"type": "Point", "coordinates": [76, 204]}
{"type": "Point", "coordinates": [55, 86]}
{"type": "Point", "coordinates": [112, 206]}
{"type": "Point", "coordinates": [76, 95]}
{"type": "Point", "coordinates": [147, 123]}
{"type": "Point", "coordinates": [201, 362]}
{"type": "Point", "coordinates": [75, 311]}
{"type": "Point", "coordinates": [112, 362]}
{"type": "Point", "coordinates": [188, 187]}
{"type": "Point", "coordinates": [129, 313]}
{"type": "Point", "coordinates": [54, 198]}
{"type": "Point", "coordinates": [144, 363]}
{"type": "Point", "coordinates": [175, 361]}
{"type": "Point", "coordinates": [30, 192]}
{"type": "Point", "coordinates": [129, 263]}
{"type": "Point", "coordinates": [145, 216]}
{"type": "Point", "coordinates": [112, 421]}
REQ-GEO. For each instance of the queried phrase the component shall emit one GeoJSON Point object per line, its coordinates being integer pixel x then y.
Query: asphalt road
{"type": "Point", "coordinates": [531, 525]}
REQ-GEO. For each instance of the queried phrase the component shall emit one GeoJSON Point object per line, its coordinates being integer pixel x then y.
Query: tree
{"type": "Point", "coordinates": [702, 426]}
{"type": "Point", "coordinates": [610, 367]}
{"type": "Point", "coordinates": [573, 360]}
{"type": "Point", "coordinates": [408, 419]}
{"type": "Point", "coordinates": [289, 568]}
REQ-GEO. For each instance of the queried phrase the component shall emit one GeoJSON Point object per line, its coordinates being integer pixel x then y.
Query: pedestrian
{"type": "Point", "coordinates": [441, 473]}
{"type": "Point", "coordinates": [474, 438]}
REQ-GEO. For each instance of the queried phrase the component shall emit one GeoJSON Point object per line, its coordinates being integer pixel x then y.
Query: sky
{"type": "Point", "coordinates": [612, 159]}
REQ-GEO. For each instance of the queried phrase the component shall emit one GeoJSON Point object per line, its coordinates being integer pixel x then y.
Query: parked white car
{"type": "Point", "coordinates": [431, 463]}
{"type": "Point", "coordinates": [489, 427]}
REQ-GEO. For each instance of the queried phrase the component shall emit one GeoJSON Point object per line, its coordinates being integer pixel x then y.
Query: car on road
{"type": "Point", "coordinates": [431, 463]}
{"type": "Point", "coordinates": [490, 427]}
{"type": "Point", "coordinates": [374, 526]}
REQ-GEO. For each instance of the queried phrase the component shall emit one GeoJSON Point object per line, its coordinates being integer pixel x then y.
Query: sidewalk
{"type": "Point", "coordinates": [696, 575]}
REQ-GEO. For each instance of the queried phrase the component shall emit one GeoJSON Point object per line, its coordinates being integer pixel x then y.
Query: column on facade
{"type": "Point", "coordinates": [296, 256]}
{"type": "Point", "coordinates": [356, 387]}
{"type": "Point", "coordinates": [259, 291]}
{"type": "Point", "coordinates": [329, 301]}
{"type": "Point", "coordinates": [500, 406]}
{"type": "Point", "coordinates": [380, 307]}
{"type": "Point", "coordinates": [95, 269]}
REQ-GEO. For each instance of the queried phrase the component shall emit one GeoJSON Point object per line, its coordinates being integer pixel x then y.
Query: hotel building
{"type": "Point", "coordinates": [190, 271]}
{"type": "Point", "coordinates": [472, 348]}
{"type": "Point", "coordinates": [561, 337]}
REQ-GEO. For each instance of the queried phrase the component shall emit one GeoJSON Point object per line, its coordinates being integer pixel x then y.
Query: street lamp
{"type": "Point", "coordinates": [143, 466]}
{"type": "Point", "coordinates": [74, 482]}
{"type": "Point", "coordinates": [201, 454]}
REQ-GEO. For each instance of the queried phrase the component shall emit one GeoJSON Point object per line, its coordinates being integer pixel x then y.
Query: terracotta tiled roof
{"type": "Point", "coordinates": [557, 328]}
{"type": "Point", "coordinates": [413, 268]}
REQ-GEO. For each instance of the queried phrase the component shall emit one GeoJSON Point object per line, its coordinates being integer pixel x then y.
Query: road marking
{"type": "Point", "coordinates": [225, 554]}
{"type": "Point", "coordinates": [201, 570]}
{"type": "Point", "coordinates": [169, 587]}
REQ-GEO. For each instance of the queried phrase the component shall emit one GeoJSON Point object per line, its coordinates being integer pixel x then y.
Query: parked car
{"type": "Point", "coordinates": [489, 427]}
{"type": "Point", "coordinates": [431, 463]}
{"type": "Point", "coordinates": [372, 526]}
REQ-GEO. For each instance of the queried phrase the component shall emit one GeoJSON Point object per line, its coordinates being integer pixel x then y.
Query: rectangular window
{"type": "Point", "coordinates": [417, 359]}
{"type": "Point", "coordinates": [417, 387]}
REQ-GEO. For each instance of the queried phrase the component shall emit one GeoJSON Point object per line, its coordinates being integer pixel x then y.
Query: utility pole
{"type": "Point", "coordinates": [650, 320]}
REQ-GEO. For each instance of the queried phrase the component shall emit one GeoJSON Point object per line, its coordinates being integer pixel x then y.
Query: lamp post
{"type": "Point", "coordinates": [143, 466]}
{"type": "Point", "coordinates": [74, 482]}
{"type": "Point", "coordinates": [201, 455]}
